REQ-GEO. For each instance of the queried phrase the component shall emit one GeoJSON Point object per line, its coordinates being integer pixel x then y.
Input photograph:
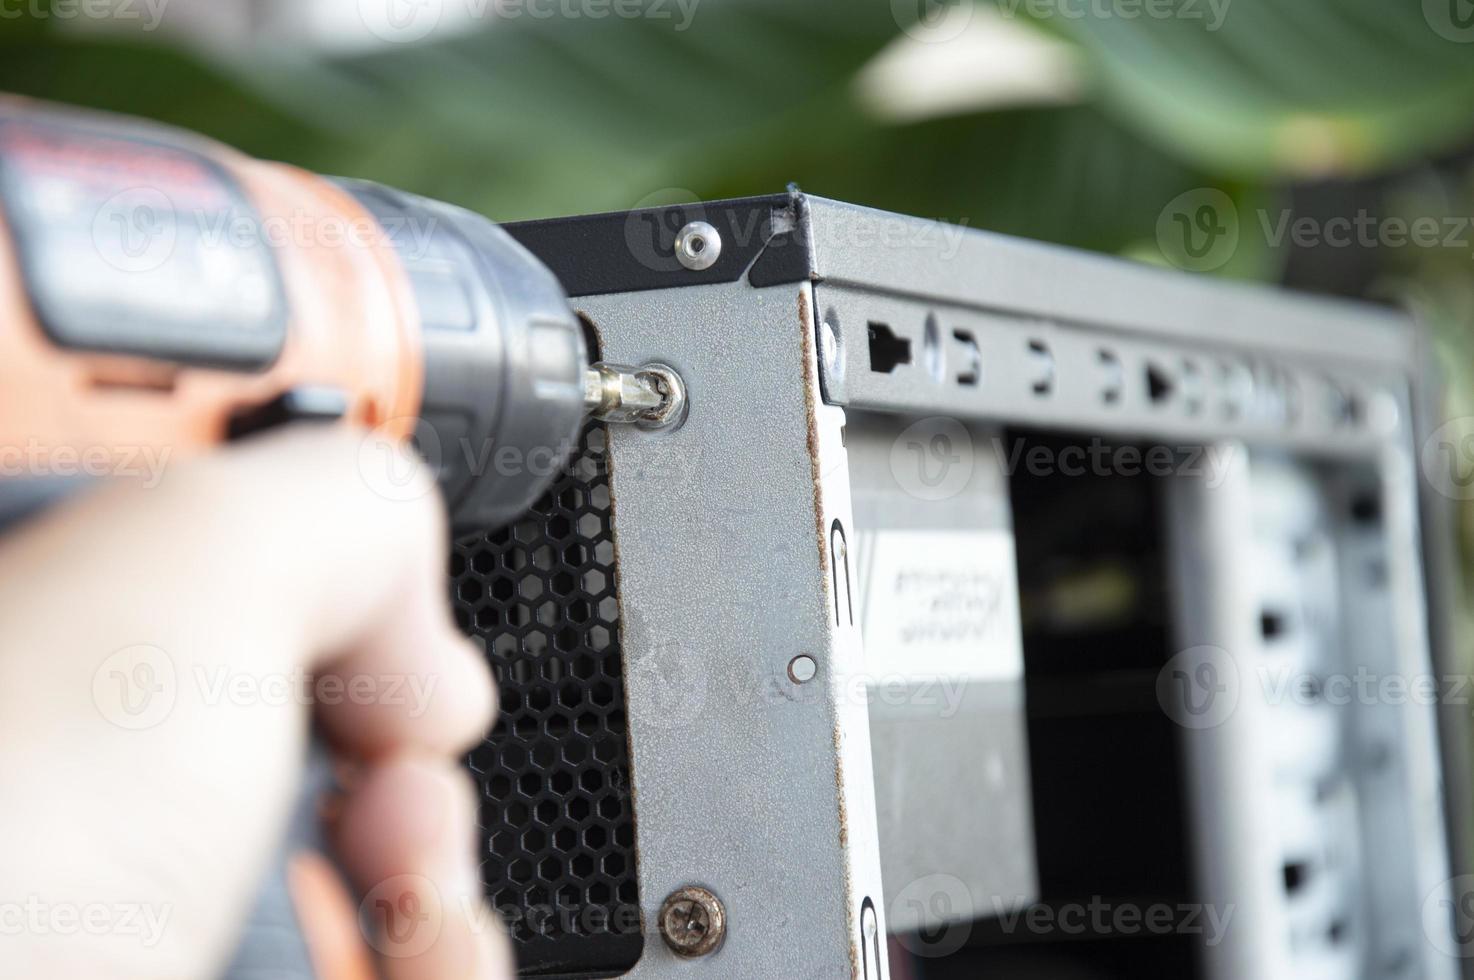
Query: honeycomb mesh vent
{"type": "Point", "coordinates": [557, 825]}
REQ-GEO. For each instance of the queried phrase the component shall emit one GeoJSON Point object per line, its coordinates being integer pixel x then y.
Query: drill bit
{"type": "Point", "coordinates": [652, 397]}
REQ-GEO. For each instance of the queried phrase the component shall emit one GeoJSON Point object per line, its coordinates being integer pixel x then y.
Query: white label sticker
{"type": "Point", "coordinates": [940, 604]}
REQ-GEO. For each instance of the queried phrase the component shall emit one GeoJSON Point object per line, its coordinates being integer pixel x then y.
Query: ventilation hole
{"type": "Point", "coordinates": [1041, 362]}
{"type": "Point", "coordinates": [1159, 385]}
{"type": "Point", "coordinates": [554, 773]}
{"type": "Point", "coordinates": [887, 351]}
{"type": "Point", "coordinates": [1110, 391]}
{"type": "Point", "coordinates": [1297, 873]}
{"type": "Point", "coordinates": [1272, 624]}
{"type": "Point", "coordinates": [972, 359]}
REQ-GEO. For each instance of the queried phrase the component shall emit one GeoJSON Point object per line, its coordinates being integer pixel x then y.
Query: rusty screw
{"type": "Point", "coordinates": [693, 922]}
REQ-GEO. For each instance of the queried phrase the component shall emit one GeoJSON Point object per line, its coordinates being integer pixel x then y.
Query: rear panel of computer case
{"type": "Point", "coordinates": [998, 610]}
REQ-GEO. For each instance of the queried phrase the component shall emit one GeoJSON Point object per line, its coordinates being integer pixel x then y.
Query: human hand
{"type": "Point", "coordinates": [154, 646]}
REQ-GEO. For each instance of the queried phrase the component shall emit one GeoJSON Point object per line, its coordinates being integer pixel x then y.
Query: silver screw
{"type": "Point", "coordinates": [693, 922]}
{"type": "Point", "coordinates": [698, 246]}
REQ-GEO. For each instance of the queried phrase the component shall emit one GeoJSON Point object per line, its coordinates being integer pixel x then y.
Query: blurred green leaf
{"type": "Point", "coordinates": [1283, 87]}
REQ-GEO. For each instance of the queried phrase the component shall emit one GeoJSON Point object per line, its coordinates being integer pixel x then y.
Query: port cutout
{"type": "Point", "coordinates": [1272, 624]}
{"type": "Point", "coordinates": [972, 359]}
{"type": "Point", "coordinates": [1297, 873]}
{"type": "Point", "coordinates": [887, 351]}
{"type": "Point", "coordinates": [1111, 368]}
{"type": "Point", "coordinates": [1043, 367]}
{"type": "Point", "coordinates": [1159, 384]}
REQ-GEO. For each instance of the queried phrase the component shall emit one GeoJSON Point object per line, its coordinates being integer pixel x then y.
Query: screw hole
{"type": "Point", "coordinates": [802, 669]}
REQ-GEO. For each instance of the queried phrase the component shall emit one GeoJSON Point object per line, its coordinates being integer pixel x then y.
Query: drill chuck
{"type": "Point", "coordinates": [504, 356]}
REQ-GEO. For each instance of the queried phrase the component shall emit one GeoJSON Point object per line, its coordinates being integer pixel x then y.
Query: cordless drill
{"type": "Point", "coordinates": [161, 292]}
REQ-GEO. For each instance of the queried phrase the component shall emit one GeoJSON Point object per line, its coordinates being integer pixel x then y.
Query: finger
{"type": "Point", "coordinates": [407, 833]}
{"type": "Point", "coordinates": [264, 559]}
{"type": "Point", "coordinates": [288, 531]}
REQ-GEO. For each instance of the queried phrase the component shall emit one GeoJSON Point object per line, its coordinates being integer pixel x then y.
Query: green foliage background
{"type": "Point", "coordinates": [1333, 105]}
{"type": "Point", "coordinates": [1320, 108]}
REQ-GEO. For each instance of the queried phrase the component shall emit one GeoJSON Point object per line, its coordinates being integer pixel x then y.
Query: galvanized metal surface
{"type": "Point", "coordinates": [950, 746]}
{"type": "Point", "coordinates": [906, 256]}
{"type": "Point", "coordinates": [744, 780]}
{"type": "Point", "coordinates": [986, 365]}
{"type": "Point", "coordinates": [736, 533]}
